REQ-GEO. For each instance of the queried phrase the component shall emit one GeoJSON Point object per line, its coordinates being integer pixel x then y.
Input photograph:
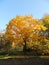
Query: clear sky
{"type": "Point", "coordinates": [11, 8]}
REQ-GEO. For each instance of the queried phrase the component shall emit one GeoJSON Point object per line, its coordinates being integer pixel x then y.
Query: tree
{"type": "Point", "coordinates": [45, 22]}
{"type": "Point", "coordinates": [21, 28]}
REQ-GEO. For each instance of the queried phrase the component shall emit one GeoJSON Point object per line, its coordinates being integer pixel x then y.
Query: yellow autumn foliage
{"type": "Point", "coordinates": [22, 27]}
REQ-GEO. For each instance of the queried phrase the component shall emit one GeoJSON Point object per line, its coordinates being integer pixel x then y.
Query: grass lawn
{"type": "Point", "coordinates": [19, 56]}
{"type": "Point", "coordinates": [11, 57]}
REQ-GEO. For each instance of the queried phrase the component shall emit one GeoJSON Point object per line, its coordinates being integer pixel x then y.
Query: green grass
{"type": "Point", "coordinates": [11, 57]}
{"type": "Point", "coordinates": [3, 56]}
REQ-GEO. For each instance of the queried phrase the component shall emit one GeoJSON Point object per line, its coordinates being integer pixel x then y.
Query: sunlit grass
{"type": "Point", "coordinates": [15, 57]}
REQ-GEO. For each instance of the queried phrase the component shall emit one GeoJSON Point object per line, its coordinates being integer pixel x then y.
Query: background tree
{"type": "Point", "coordinates": [45, 22]}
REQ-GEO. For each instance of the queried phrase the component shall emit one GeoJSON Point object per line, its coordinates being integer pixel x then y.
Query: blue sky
{"type": "Point", "coordinates": [11, 8]}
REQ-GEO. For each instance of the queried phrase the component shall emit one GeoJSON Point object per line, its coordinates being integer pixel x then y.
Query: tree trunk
{"type": "Point", "coordinates": [25, 47]}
